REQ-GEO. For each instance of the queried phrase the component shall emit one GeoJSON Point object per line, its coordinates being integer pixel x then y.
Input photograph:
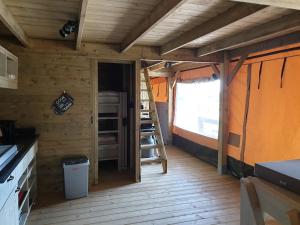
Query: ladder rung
{"type": "Point", "coordinates": [151, 160]}
{"type": "Point", "coordinates": [145, 100]}
{"type": "Point", "coordinates": [148, 146]}
{"type": "Point", "coordinates": [147, 121]}
{"type": "Point", "coordinates": [147, 110]}
{"type": "Point", "coordinates": [147, 133]}
{"type": "Point", "coordinates": [144, 90]}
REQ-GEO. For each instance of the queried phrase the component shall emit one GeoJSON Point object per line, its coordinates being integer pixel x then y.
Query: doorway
{"type": "Point", "coordinates": [115, 112]}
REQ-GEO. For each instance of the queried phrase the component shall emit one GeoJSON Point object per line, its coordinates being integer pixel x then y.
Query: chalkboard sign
{"type": "Point", "coordinates": [62, 104]}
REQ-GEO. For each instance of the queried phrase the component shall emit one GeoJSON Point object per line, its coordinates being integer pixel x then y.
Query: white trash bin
{"type": "Point", "coordinates": [76, 177]}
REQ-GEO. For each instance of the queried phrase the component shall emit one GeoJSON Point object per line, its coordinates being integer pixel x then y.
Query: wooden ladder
{"type": "Point", "coordinates": [150, 110]}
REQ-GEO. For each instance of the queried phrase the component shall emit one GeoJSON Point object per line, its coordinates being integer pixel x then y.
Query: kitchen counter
{"type": "Point", "coordinates": [24, 144]}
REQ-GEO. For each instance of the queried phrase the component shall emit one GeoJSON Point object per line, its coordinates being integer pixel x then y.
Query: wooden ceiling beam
{"type": "Point", "coordinates": [267, 45]}
{"type": "Point", "coordinates": [161, 11]}
{"type": "Point", "coordinates": [81, 23]}
{"type": "Point", "coordinates": [290, 4]}
{"type": "Point", "coordinates": [275, 28]}
{"type": "Point", "coordinates": [12, 25]}
{"type": "Point", "coordinates": [233, 14]}
{"type": "Point", "coordinates": [157, 66]}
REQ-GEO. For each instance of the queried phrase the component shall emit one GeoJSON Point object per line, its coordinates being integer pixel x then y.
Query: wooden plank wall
{"type": "Point", "coordinates": [42, 78]}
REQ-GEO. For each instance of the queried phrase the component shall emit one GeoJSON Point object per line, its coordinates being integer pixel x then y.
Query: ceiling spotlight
{"type": "Point", "coordinates": [68, 28]}
{"type": "Point", "coordinates": [215, 76]}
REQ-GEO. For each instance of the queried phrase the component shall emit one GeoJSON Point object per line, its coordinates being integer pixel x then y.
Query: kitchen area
{"type": "Point", "coordinates": [18, 149]}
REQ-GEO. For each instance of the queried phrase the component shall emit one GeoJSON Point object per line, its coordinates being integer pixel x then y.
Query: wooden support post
{"type": "Point", "coordinates": [294, 217]}
{"type": "Point", "coordinates": [237, 68]}
{"type": "Point", "coordinates": [137, 120]}
{"type": "Point", "coordinates": [94, 117]}
{"type": "Point", "coordinates": [175, 79]}
{"type": "Point", "coordinates": [251, 213]}
{"type": "Point", "coordinates": [223, 116]}
{"type": "Point", "coordinates": [170, 109]}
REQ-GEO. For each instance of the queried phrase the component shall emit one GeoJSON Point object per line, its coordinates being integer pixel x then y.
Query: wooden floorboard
{"type": "Point", "coordinates": [191, 193]}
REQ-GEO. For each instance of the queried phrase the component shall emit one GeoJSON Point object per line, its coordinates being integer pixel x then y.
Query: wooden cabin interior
{"type": "Point", "coordinates": [149, 112]}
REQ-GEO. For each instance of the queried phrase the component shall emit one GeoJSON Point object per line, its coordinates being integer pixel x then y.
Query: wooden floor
{"type": "Point", "coordinates": [191, 193]}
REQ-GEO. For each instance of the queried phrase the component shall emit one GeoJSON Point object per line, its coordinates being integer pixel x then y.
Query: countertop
{"type": "Point", "coordinates": [24, 143]}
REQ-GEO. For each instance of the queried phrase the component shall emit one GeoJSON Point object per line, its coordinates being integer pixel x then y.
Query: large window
{"type": "Point", "coordinates": [197, 107]}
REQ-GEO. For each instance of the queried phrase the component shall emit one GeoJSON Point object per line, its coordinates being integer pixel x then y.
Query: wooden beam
{"type": "Point", "coordinates": [10, 22]}
{"type": "Point", "coordinates": [188, 66]}
{"type": "Point", "coordinates": [137, 121]}
{"type": "Point", "coordinates": [232, 15]}
{"type": "Point", "coordinates": [236, 68]}
{"type": "Point", "coordinates": [81, 23]}
{"type": "Point", "coordinates": [157, 66]}
{"type": "Point", "coordinates": [290, 4]}
{"type": "Point", "coordinates": [175, 79]}
{"type": "Point", "coordinates": [223, 116]}
{"type": "Point", "coordinates": [161, 11]}
{"type": "Point", "coordinates": [267, 45]}
{"type": "Point", "coordinates": [275, 28]}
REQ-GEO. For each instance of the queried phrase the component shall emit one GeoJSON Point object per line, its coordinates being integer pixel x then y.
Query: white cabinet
{"type": "Point", "coordinates": [8, 69]}
{"type": "Point", "coordinates": [18, 193]}
{"type": "Point", "coordinates": [9, 213]}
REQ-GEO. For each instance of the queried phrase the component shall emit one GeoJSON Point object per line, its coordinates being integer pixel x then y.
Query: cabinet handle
{"type": "Point", "coordinates": [17, 190]}
{"type": "Point", "coordinates": [10, 178]}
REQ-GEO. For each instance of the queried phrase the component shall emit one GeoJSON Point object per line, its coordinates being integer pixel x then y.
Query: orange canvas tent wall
{"type": "Point", "coordinates": [273, 126]}
{"type": "Point", "coordinates": [160, 89]}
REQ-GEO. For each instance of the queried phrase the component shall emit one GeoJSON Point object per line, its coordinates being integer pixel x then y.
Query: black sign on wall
{"type": "Point", "coordinates": [63, 103]}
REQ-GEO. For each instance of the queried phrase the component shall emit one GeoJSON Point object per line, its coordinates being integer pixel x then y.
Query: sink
{"type": "Point", "coordinates": [7, 153]}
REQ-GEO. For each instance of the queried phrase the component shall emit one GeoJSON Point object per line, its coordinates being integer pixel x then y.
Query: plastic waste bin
{"type": "Point", "coordinates": [76, 177]}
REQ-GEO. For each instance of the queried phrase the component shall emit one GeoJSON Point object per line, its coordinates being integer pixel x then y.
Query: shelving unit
{"type": "Point", "coordinates": [8, 69]}
{"type": "Point", "coordinates": [27, 187]}
{"type": "Point", "coordinates": [110, 126]}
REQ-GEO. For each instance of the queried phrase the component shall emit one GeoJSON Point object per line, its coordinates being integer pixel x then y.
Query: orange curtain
{"type": "Point", "coordinates": [160, 89]}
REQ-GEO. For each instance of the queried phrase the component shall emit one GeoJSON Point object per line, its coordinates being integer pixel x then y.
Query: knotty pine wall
{"type": "Point", "coordinates": [42, 78]}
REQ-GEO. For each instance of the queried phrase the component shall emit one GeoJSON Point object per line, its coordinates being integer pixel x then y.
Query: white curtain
{"type": "Point", "coordinates": [197, 107]}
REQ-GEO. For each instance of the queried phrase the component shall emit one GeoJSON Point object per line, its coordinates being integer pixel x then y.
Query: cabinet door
{"type": "Point", "coordinates": [9, 214]}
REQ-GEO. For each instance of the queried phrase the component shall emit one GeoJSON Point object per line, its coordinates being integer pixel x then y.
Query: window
{"type": "Point", "coordinates": [197, 107]}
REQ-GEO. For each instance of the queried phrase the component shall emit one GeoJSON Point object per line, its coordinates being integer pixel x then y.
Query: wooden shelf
{"type": "Point", "coordinates": [108, 132]}
{"type": "Point", "coordinates": [8, 69]}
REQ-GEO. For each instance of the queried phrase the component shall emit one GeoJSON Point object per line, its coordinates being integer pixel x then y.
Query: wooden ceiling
{"type": "Point", "coordinates": [168, 24]}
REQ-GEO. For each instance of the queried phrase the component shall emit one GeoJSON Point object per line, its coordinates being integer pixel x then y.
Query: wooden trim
{"type": "Point", "coordinates": [137, 120]}
{"type": "Point", "coordinates": [290, 4]}
{"type": "Point", "coordinates": [161, 11]}
{"type": "Point", "coordinates": [236, 68]}
{"type": "Point", "coordinates": [83, 10]}
{"type": "Point", "coordinates": [10, 22]}
{"type": "Point", "coordinates": [275, 28]}
{"type": "Point", "coordinates": [223, 116]}
{"type": "Point", "coordinates": [94, 117]}
{"type": "Point", "coordinates": [246, 111]}
{"type": "Point", "coordinates": [233, 14]}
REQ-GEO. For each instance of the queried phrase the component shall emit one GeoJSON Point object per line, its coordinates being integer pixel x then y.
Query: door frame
{"type": "Point", "coordinates": [94, 116]}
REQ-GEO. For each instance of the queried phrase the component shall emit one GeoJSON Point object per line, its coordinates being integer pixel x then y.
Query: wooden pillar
{"type": "Point", "coordinates": [94, 118]}
{"type": "Point", "coordinates": [223, 116]}
{"type": "Point", "coordinates": [137, 120]}
{"type": "Point", "coordinates": [170, 109]}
